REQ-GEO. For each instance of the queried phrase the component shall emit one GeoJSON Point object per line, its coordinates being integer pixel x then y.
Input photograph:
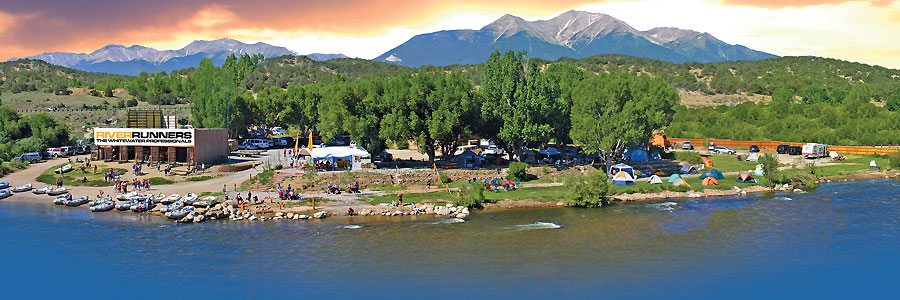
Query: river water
{"type": "Point", "coordinates": [839, 241]}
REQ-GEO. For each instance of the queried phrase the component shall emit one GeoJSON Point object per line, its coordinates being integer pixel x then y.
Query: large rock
{"type": "Point", "coordinates": [462, 215]}
{"type": "Point", "coordinates": [199, 218]}
{"type": "Point", "coordinates": [429, 210]}
{"type": "Point", "coordinates": [303, 217]}
{"type": "Point", "coordinates": [365, 212]}
{"type": "Point", "coordinates": [279, 214]}
{"type": "Point", "coordinates": [320, 215]}
{"type": "Point", "coordinates": [290, 215]}
{"type": "Point", "coordinates": [252, 218]}
{"type": "Point", "coordinates": [217, 207]}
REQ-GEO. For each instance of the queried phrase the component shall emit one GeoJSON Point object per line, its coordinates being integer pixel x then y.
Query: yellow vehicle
{"type": "Point", "coordinates": [232, 144]}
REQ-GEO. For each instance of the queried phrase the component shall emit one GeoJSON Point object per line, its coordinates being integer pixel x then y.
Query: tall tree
{"type": "Point", "coordinates": [612, 111]}
{"type": "Point", "coordinates": [520, 102]}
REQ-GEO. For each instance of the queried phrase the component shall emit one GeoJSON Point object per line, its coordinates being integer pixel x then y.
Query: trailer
{"type": "Point", "coordinates": [814, 150]}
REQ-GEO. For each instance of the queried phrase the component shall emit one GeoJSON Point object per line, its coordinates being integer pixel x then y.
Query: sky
{"type": "Point", "coordinates": [861, 31]}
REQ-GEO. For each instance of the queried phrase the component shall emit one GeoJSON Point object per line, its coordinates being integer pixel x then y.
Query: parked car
{"type": "Point", "coordinates": [31, 157]}
{"type": "Point", "coordinates": [723, 150]}
{"type": "Point", "coordinates": [247, 146]}
{"type": "Point", "coordinates": [754, 148]}
{"type": "Point", "coordinates": [493, 150]}
{"type": "Point", "coordinates": [783, 149]}
{"type": "Point", "coordinates": [686, 145]}
{"type": "Point", "coordinates": [795, 150]}
{"type": "Point", "coordinates": [56, 152]}
{"type": "Point", "coordinates": [70, 150]}
{"type": "Point", "coordinates": [287, 141]}
{"type": "Point", "coordinates": [383, 156]}
{"type": "Point", "coordinates": [277, 131]}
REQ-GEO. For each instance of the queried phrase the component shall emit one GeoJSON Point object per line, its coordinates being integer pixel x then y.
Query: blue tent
{"type": "Point", "coordinates": [713, 173]}
{"type": "Point", "coordinates": [674, 177]}
{"type": "Point", "coordinates": [688, 169]}
{"type": "Point", "coordinates": [615, 169]}
{"type": "Point", "coordinates": [638, 155]}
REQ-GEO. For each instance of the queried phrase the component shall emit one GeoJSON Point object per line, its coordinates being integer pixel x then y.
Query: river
{"type": "Point", "coordinates": [839, 241]}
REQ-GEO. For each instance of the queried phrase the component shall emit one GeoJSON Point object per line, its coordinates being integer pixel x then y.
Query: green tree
{"type": "Point", "coordinates": [612, 111]}
{"type": "Point", "coordinates": [892, 103]}
{"type": "Point", "coordinates": [521, 103]}
{"type": "Point", "coordinates": [587, 191]}
{"type": "Point", "coordinates": [770, 168]}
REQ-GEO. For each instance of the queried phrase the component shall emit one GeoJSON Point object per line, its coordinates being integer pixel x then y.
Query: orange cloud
{"type": "Point", "coordinates": [63, 25]}
{"type": "Point", "coordinates": [799, 3]}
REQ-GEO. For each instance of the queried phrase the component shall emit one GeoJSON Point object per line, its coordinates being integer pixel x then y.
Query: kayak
{"type": "Point", "coordinates": [22, 188]}
{"type": "Point", "coordinates": [5, 194]}
{"type": "Point", "coordinates": [78, 201]}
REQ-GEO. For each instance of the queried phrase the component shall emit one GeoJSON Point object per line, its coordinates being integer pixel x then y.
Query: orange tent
{"type": "Point", "coordinates": [710, 181]}
{"type": "Point", "coordinates": [706, 161]}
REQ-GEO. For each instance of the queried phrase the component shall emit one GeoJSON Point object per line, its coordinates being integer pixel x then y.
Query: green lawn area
{"type": "Point", "coordinates": [729, 163]}
{"type": "Point", "coordinates": [71, 178]}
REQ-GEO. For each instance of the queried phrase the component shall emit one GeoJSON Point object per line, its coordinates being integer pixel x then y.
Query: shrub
{"type": "Point", "coordinates": [894, 160]}
{"type": "Point", "coordinates": [770, 168]}
{"type": "Point", "coordinates": [803, 181]}
{"type": "Point", "coordinates": [471, 196]}
{"type": "Point", "coordinates": [587, 191]}
{"type": "Point", "coordinates": [444, 177]}
{"type": "Point", "coordinates": [691, 157]}
{"type": "Point", "coordinates": [519, 170]}
{"type": "Point", "coordinates": [811, 167]}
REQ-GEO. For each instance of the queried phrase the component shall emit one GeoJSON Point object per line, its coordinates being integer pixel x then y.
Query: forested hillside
{"type": "Point", "coordinates": [36, 75]}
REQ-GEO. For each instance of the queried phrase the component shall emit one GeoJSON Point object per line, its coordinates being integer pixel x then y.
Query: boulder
{"type": "Point", "coordinates": [252, 218]}
{"type": "Point", "coordinates": [429, 210]}
{"type": "Point", "coordinates": [295, 217]}
{"type": "Point", "coordinates": [217, 207]}
{"type": "Point", "coordinates": [464, 210]}
{"type": "Point", "coordinates": [199, 218]}
{"type": "Point", "coordinates": [290, 215]}
{"type": "Point", "coordinates": [320, 215]}
{"type": "Point", "coordinates": [303, 217]}
{"type": "Point", "coordinates": [365, 212]}
{"type": "Point", "coordinates": [462, 215]}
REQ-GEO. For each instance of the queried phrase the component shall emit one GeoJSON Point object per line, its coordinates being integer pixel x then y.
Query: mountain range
{"type": "Point", "coordinates": [133, 60]}
{"type": "Point", "coordinates": [574, 34]}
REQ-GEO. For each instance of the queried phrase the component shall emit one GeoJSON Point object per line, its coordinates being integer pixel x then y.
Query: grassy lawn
{"type": "Point", "coordinates": [160, 181]}
{"type": "Point", "coordinates": [70, 178]}
{"type": "Point", "coordinates": [729, 163]}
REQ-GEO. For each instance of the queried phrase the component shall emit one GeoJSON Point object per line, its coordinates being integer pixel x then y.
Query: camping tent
{"type": "Point", "coordinates": [468, 159]}
{"type": "Point", "coordinates": [550, 152]}
{"type": "Point", "coordinates": [753, 157]}
{"type": "Point", "coordinates": [654, 180]}
{"type": "Point", "coordinates": [759, 171]}
{"type": "Point", "coordinates": [674, 177]}
{"type": "Point", "coordinates": [746, 178]}
{"type": "Point", "coordinates": [688, 169]}
{"type": "Point", "coordinates": [680, 181]}
{"type": "Point", "coordinates": [638, 155]}
{"type": "Point", "coordinates": [834, 154]}
{"type": "Point", "coordinates": [357, 157]}
{"type": "Point", "coordinates": [712, 173]}
{"type": "Point", "coordinates": [623, 178]}
{"type": "Point", "coordinates": [710, 181]}
{"type": "Point", "coordinates": [873, 164]}
{"type": "Point", "coordinates": [706, 161]}
{"type": "Point", "coordinates": [615, 169]}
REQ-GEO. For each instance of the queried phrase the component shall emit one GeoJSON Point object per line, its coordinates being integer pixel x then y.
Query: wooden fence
{"type": "Point", "coordinates": [858, 150]}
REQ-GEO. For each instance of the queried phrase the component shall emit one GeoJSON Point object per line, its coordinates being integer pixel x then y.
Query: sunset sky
{"type": "Point", "coordinates": [862, 31]}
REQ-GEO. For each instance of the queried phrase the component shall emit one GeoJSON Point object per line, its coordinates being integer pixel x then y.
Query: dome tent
{"type": "Point", "coordinates": [712, 173]}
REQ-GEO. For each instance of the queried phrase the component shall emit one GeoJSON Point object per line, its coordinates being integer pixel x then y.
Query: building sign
{"type": "Point", "coordinates": [144, 137]}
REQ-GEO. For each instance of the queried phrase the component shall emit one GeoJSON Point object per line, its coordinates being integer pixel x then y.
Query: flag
{"type": "Point", "coordinates": [310, 146]}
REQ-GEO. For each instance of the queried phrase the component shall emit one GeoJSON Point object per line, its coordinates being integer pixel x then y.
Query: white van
{"type": "Point", "coordinates": [813, 150]}
{"type": "Point", "coordinates": [260, 143]}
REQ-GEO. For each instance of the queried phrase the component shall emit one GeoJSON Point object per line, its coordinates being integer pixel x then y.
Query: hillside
{"type": "Point", "coordinates": [36, 75]}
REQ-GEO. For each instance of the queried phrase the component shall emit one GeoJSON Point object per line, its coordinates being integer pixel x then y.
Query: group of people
{"type": "Point", "coordinates": [111, 175]}
{"type": "Point", "coordinates": [496, 184]}
{"type": "Point", "coordinates": [333, 188]}
{"type": "Point", "coordinates": [289, 194]}
{"type": "Point", "coordinates": [136, 185]}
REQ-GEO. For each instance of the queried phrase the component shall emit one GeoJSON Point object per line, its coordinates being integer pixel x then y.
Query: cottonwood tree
{"type": "Point", "coordinates": [612, 111]}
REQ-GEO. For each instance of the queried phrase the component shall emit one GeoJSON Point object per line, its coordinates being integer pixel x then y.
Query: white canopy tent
{"type": "Point", "coordinates": [358, 157]}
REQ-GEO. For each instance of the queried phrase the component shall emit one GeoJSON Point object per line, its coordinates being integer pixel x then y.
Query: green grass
{"type": "Point", "coordinates": [200, 178]}
{"type": "Point", "coordinates": [729, 163]}
{"type": "Point", "coordinates": [70, 178]}
{"type": "Point", "coordinates": [160, 181]}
